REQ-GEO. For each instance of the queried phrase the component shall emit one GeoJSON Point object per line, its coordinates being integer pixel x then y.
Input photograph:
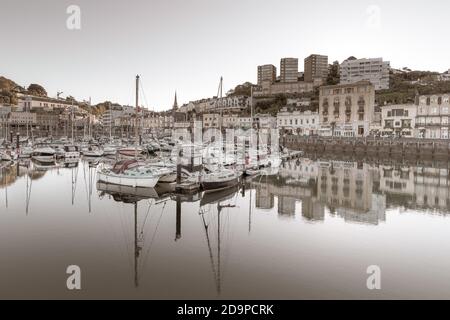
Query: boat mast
{"type": "Point", "coordinates": [136, 248]}
{"type": "Point", "coordinates": [136, 109]}
{"type": "Point", "coordinates": [71, 116]}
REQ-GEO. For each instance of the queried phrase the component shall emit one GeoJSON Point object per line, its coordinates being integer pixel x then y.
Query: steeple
{"type": "Point", "coordinates": [175, 103]}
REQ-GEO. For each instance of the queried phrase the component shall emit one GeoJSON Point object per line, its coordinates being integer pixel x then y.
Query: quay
{"type": "Point", "coordinates": [375, 147]}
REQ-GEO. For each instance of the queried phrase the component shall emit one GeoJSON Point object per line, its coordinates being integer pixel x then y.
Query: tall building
{"type": "Point", "coordinates": [347, 110]}
{"type": "Point", "coordinates": [316, 66]}
{"type": "Point", "coordinates": [374, 70]}
{"type": "Point", "coordinates": [289, 70]}
{"type": "Point", "coordinates": [267, 73]}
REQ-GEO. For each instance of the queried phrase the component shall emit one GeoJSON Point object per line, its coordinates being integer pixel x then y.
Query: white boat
{"type": "Point", "coordinates": [5, 156]}
{"type": "Point", "coordinates": [71, 152]}
{"type": "Point", "coordinates": [44, 155]}
{"type": "Point", "coordinates": [93, 152]}
{"type": "Point", "coordinates": [129, 173]}
{"type": "Point", "coordinates": [167, 171]}
{"type": "Point", "coordinates": [218, 180]}
{"type": "Point", "coordinates": [109, 150]}
{"type": "Point", "coordinates": [25, 152]}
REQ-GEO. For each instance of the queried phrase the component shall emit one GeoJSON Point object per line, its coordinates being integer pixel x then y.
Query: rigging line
{"type": "Point", "coordinates": [153, 238]}
{"type": "Point", "coordinates": [146, 216]}
{"type": "Point", "coordinates": [143, 93]}
{"type": "Point", "coordinates": [125, 236]}
{"type": "Point", "coordinates": [208, 242]}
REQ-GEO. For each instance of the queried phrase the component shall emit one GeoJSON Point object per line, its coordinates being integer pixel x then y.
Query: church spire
{"type": "Point", "coordinates": [175, 103]}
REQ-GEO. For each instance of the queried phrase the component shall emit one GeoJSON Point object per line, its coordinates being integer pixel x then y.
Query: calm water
{"type": "Point", "coordinates": [309, 232]}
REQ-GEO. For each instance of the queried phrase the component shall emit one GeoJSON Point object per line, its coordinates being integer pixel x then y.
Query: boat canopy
{"type": "Point", "coordinates": [122, 166]}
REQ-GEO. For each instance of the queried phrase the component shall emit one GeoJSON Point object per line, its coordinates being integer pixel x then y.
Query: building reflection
{"type": "Point", "coordinates": [356, 191]}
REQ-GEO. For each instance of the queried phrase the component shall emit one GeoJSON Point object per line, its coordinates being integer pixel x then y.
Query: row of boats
{"type": "Point", "coordinates": [209, 167]}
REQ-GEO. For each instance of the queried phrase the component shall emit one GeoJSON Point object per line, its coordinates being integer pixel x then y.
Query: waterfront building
{"type": "Point", "coordinates": [30, 103]}
{"type": "Point", "coordinates": [433, 114]}
{"type": "Point", "coordinates": [347, 110]}
{"type": "Point", "coordinates": [267, 73]}
{"type": "Point", "coordinates": [298, 123]}
{"type": "Point", "coordinates": [316, 66]}
{"type": "Point", "coordinates": [211, 120]}
{"type": "Point", "coordinates": [374, 70]}
{"type": "Point", "coordinates": [113, 112]}
{"type": "Point", "coordinates": [265, 121]}
{"type": "Point", "coordinates": [399, 120]}
{"type": "Point", "coordinates": [22, 118]}
{"type": "Point", "coordinates": [288, 70]}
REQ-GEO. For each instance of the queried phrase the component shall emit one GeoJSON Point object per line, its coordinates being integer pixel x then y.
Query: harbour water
{"type": "Point", "coordinates": [308, 232]}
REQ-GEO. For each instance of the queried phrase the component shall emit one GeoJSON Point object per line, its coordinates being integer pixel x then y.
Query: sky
{"type": "Point", "coordinates": [187, 45]}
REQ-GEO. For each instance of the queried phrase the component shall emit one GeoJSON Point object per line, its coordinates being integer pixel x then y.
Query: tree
{"type": "Point", "coordinates": [333, 75]}
{"type": "Point", "coordinates": [37, 90]}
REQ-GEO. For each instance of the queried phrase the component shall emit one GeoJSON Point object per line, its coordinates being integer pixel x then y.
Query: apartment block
{"type": "Point", "coordinates": [267, 73]}
{"type": "Point", "coordinates": [316, 66]}
{"type": "Point", "coordinates": [374, 70]}
{"type": "Point", "coordinates": [289, 70]}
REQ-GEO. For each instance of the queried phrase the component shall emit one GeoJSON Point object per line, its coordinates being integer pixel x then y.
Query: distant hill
{"type": "Point", "coordinates": [7, 91]}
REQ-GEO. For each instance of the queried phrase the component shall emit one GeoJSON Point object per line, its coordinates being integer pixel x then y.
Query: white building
{"type": "Point", "coordinates": [399, 120]}
{"type": "Point", "coordinates": [374, 70]}
{"type": "Point", "coordinates": [300, 123]}
{"type": "Point", "coordinates": [30, 102]}
{"type": "Point", "coordinates": [433, 116]}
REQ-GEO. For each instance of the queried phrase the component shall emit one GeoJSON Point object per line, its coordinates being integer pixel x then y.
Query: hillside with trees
{"type": "Point", "coordinates": [405, 86]}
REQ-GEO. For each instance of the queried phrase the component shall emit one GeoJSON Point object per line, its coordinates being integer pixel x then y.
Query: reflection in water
{"type": "Point", "coordinates": [267, 238]}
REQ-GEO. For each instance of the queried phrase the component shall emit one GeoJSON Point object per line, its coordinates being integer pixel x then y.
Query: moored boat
{"type": "Point", "coordinates": [222, 179]}
{"type": "Point", "coordinates": [129, 173]}
{"type": "Point", "coordinates": [44, 155]}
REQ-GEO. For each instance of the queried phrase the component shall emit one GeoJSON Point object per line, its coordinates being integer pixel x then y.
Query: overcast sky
{"type": "Point", "coordinates": [186, 45]}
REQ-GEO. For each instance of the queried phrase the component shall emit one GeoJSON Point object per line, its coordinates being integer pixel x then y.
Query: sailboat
{"type": "Point", "coordinates": [219, 178]}
{"type": "Point", "coordinates": [130, 173]}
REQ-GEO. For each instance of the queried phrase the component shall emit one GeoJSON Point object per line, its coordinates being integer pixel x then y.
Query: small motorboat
{"type": "Point", "coordinates": [71, 153]}
{"type": "Point", "coordinates": [93, 152]}
{"type": "Point", "coordinates": [44, 155]}
{"type": "Point", "coordinates": [221, 179]}
{"type": "Point", "coordinates": [109, 151]}
{"type": "Point", "coordinates": [4, 156]}
{"type": "Point", "coordinates": [25, 152]}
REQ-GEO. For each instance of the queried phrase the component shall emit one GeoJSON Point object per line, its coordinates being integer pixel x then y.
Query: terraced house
{"type": "Point", "coordinates": [433, 115]}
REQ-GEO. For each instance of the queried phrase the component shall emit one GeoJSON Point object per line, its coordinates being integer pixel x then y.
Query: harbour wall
{"type": "Point", "coordinates": [373, 147]}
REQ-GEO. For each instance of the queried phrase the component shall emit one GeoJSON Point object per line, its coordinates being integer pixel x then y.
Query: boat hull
{"type": "Point", "coordinates": [44, 159]}
{"type": "Point", "coordinates": [211, 186]}
{"type": "Point", "coordinates": [168, 178]}
{"type": "Point", "coordinates": [135, 182]}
